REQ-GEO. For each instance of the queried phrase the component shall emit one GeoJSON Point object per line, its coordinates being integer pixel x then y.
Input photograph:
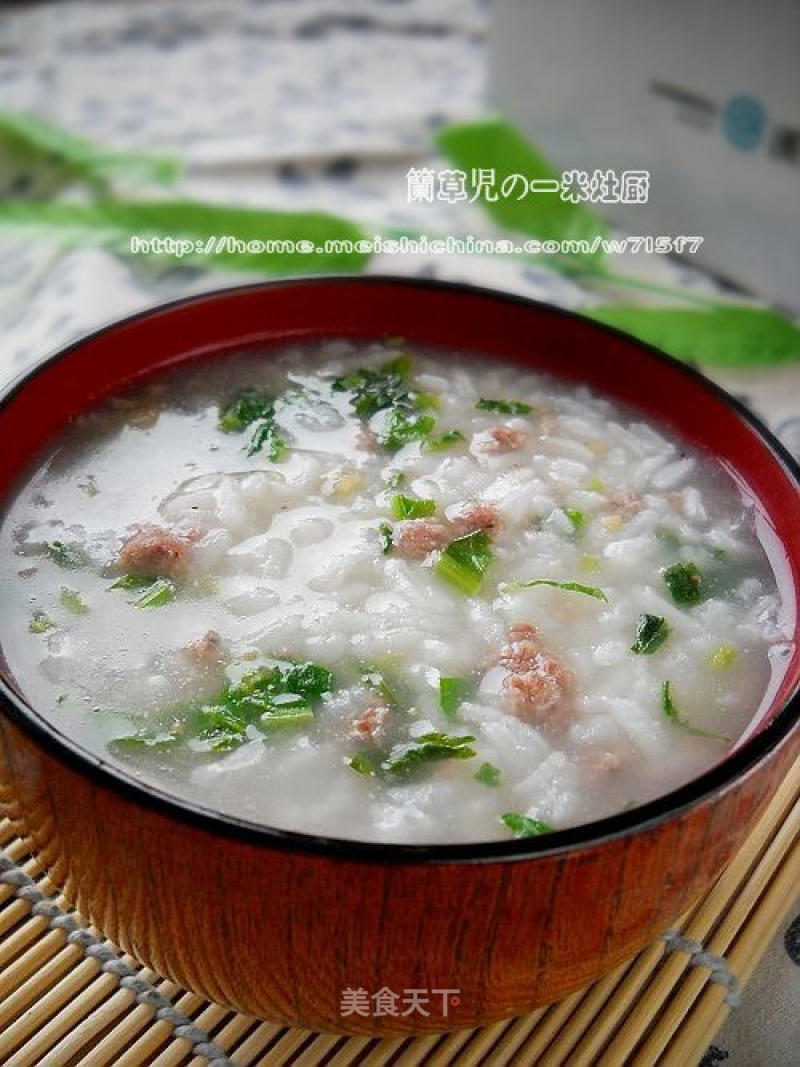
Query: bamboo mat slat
{"type": "Point", "coordinates": [59, 1007]}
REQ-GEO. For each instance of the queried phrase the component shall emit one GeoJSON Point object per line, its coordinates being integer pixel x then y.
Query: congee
{"type": "Point", "coordinates": [376, 592]}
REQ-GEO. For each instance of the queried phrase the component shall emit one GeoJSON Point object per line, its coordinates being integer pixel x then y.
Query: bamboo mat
{"type": "Point", "coordinates": [68, 998]}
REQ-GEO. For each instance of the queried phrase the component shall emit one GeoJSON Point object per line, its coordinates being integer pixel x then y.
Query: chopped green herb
{"type": "Point", "coordinates": [309, 680]}
{"type": "Point", "coordinates": [669, 538]}
{"type": "Point", "coordinates": [377, 681]}
{"type": "Point", "coordinates": [651, 633]}
{"type": "Point", "coordinates": [577, 518]}
{"type": "Point", "coordinates": [684, 582]}
{"type": "Point", "coordinates": [375, 389]}
{"type": "Point", "coordinates": [524, 825]}
{"type": "Point", "coordinates": [251, 405]}
{"type": "Point", "coordinates": [596, 485]}
{"type": "Point", "coordinates": [407, 507]}
{"type": "Point", "coordinates": [89, 487]}
{"type": "Point", "coordinates": [270, 698]}
{"type": "Point", "coordinates": [221, 727]}
{"type": "Point", "coordinates": [465, 562]}
{"type": "Point", "coordinates": [504, 407]}
{"type": "Point", "coordinates": [132, 581]}
{"type": "Point", "coordinates": [724, 656]}
{"type": "Point", "coordinates": [570, 587]}
{"type": "Point", "coordinates": [146, 737]}
{"type": "Point", "coordinates": [160, 592]}
{"type": "Point", "coordinates": [427, 400]}
{"type": "Point", "coordinates": [386, 534]}
{"type": "Point", "coordinates": [68, 556]}
{"type": "Point", "coordinates": [445, 441]}
{"type": "Point", "coordinates": [267, 435]}
{"type": "Point", "coordinates": [408, 756]}
{"type": "Point", "coordinates": [590, 563]}
{"type": "Point", "coordinates": [674, 715]}
{"type": "Point", "coordinates": [396, 479]}
{"type": "Point", "coordinates": [362, 764]}
{"type": "Point", "coordinates": [73, 601]}
{"type": "Point", "coordinates": [254, 407]}
{"type": "Point", "coordinates": [286, 717]}
{"type": "Point", "coordinates": [488, 774]}
{"type": "Point", "coordinates": [452, 691]}
{"type": "Point", "coordinates": [402, 427]}
{"type": "Point", "coordinates": [41, 623]}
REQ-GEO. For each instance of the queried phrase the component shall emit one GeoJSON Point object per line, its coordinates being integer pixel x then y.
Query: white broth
{"type": "Point", "coordinates": [387, 594]}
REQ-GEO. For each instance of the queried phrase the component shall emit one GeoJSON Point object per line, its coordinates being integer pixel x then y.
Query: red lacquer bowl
{"type": "Point", "coordinates": [279, 924]}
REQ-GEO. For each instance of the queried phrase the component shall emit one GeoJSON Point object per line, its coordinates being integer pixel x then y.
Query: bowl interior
{"type": "Point", "coordinates": [449, 316]}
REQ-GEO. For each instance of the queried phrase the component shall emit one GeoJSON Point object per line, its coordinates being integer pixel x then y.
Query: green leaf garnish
{"type": "Point", "coordinates": [283, 718]}
{"type": "Point", "coordinates": [268, 436]}
{"type": "Point", "coordinates": [492, 143]}
{"type": "Point", "coordinates": [375, 389]}
{"type": "Point", "coordinates": [452, 691]}
{"type": "Point", "coordinates": [68, 556]}
{"type": "Point", "coordinates": [570, 587]}
{"type": "Point", "coordinates": [651, 633]}
{"type": "Point", "coordinates": [723, 336]}
{"type": "Point", "coordinates": [221, 727]}
{"type": "Point", "coordinates": [445, 441]}
{"type": "Point", "coordinates": [144, 738]}
{"type": "Point", "coordinates": [524, 825]}
{"type": "Point", "coordinates": [160, 592]}
{"type": "Point", "coordinates": [252, 407]}
{"type": "Point", "coordinates": [465, 562]}
{"type": "Point", "coordinates": [385, 388]}
{"type": "Point", "coordinates": [406, 507]}
{"type": "Point", "coordinates": [576, 518]}
{"type": "Point", "coordinates": [684, 582]}
{"type": "Point", "coordinates": [671, 711]}
{"type": "Point", "coordinates": [132, 581]}
{"type": "Point", "coordinates": [669, 538]}
{"type": "Point", "coordinates": [401, 428]}
{"type": "Point", "coordinates": [488, 774]}
{"type": "Point", "coordinates": [308, 679]}
{"type": "Point", "coordinates": [248, 407]}
{"type": "Point", "coordinates": [377, 681]}
{"type": "Point", "coordinates": [41, 623]}
{"type": "Point", "coordinates": [386, 534]}
{"type": "Point", "coordinates": [269, 698]}
{"type": "Point", "coordinates": [362, 764]}
{"type": "Point", "coordinates": [73, 601]}
{"type": "Point", "coordinates": [504, 407]}
{"type": "Point", "coordinates": [408, 756]}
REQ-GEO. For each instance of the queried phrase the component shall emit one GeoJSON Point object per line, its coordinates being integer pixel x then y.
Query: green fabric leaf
{"type": "Point", "coordinates": [724, 336]}
{"type": "Point", "coordinates": [493, 143]}
{"type": "Point", "coordinates": [32, 142]}
{"type": "Point", "coordinates": [113, 224]}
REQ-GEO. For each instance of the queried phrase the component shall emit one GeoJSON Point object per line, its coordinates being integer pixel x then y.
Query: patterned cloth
{"type": "Point", "coordinates": [297, 104]}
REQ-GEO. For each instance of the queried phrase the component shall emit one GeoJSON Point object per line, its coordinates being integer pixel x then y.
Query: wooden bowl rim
{"type": "Point", "coordinates": [715, 781]}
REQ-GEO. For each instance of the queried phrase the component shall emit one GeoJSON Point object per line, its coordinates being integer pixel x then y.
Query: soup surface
{"type": "Point", "coordinates": [392, 595]}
